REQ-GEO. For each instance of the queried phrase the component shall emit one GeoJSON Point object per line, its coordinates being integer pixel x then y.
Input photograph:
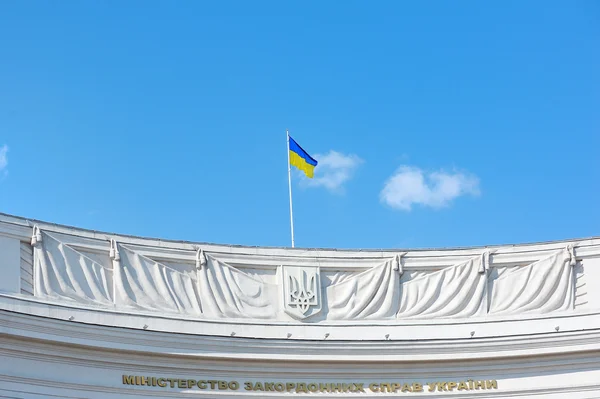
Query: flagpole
{"type": "Point", "coordinates": [287, 133]}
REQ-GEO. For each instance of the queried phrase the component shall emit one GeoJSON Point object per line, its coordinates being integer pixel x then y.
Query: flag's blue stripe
{"type": "Point", "coordinates": [303, 154]}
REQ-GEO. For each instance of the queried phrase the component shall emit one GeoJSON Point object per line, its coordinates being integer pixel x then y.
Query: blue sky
{"type": "Point", "coordinates": [435, 124]}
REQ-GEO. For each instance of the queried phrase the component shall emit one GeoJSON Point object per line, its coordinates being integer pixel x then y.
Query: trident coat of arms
{"type": "Point", "coordinates": [302, 291]}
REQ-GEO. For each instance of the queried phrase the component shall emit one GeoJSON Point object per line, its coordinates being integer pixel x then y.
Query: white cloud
{"type": "Point", "coordinates": [334, 170]}
{"type": "Point", "coordinates": [411, 185]}
{"type": "Point", "coordinates": [3, 160]}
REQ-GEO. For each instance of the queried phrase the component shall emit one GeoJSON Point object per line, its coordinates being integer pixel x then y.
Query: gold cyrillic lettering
{"type": "Point", "coordinates": [301, 387]}
{"type": "Point", "coordinates": [269, 386]}
{"type": "Point", "coordinates": [290, 386]}
{"type": "Point", "coordinates": [479, 384]}
{"type": "Point", "coordinates": [462, 386]}
{"type": "Point", "coordinates": [222, 385]}
{"type": "Point", "coordinates": [406, 387]}
{"type": "Point", "coordinates": [191, 383]}
{"type": "Point", "coordinates": [161, 382]}
{"type": "Point", "coordinates": [441, 386]}
{"type": "Point", "coordinates": [172, 381]}
{"type": "Point", "coordinates": [491, 384]}
{"type": "Point", "coordinates": [374, 387]}
{"type": "Point", "coordinates": [451, 385]}
{"type": "Point", "coordinates": [470, 382]}
{"type": "Point", "coordinates": [153, 381]}
{"type": "Point", "coordinates": [336, 387]}
{"type": "Point", "coordinates": [145, 381]}
{"type": "Point", "coordinates": [182, 384]}
{"type": "Point", "coordinates": [324, 387]}
{"type": "Point", "coordinates": [202, 384]}
{"type": "Point", "coordinates": [213, 383]}
{"type": "Point", "coordinates": [313, 387]}
{"type": "Point", "coordinates": [279, 387]}
{"type": "Point", "coordinates": [416, 387]}
{"type": "Point", "coordinates": [258, 387]}
{"type": "Point", "coordinates": [359, 387]}
{"type": "Point", "coordinates": [432, 386]}
{"type": "Point", "coordinates": [234, 385]}
{"type": "Point", "coordinates": [128, 379]}
{"type": "Point", "coordinates": [387, 386]}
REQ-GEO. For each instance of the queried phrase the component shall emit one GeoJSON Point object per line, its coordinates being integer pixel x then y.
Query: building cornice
{"type": "Point", "coordinates": [103, 330]}
{"type": "Point", "coordinates": [21, 228]}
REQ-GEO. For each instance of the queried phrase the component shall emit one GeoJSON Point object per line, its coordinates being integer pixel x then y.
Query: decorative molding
{"type": "Point", "coordinates": [484, 266]}
{"type": "Point", "coordinates": [36, 237]}
{"type": "Point", "coordinates": [114, 251]}
{"type": "Point", "coordinates": [463, 290]}
{"type": "Point", "coordinates": [571, 255]}
{"type": "Point", "coordinates": [200, 258]}
{"type": "Point", "coordinates": [412, 342]}
{"type": "Point", "coordinates": [328, 258]}
{"type": "Point", "coordinates": [398, 266]}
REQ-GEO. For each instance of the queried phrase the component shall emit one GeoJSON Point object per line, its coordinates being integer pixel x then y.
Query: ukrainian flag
{"type": "Point", "coordinates": [300, 159]}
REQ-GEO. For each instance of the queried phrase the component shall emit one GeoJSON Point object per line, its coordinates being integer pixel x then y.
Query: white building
{"type": "Point", "coordinates": [85, 314]}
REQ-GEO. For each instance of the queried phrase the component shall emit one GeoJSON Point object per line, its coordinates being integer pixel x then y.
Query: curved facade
{"type": "Point", "coordinates": [86, 314]}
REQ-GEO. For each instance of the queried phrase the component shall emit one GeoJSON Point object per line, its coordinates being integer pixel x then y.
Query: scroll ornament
{"type": "Point", "coordinates": [484, 264]}
{"type": "Point", "coordinates": [571, 255]}
{"type": "Point", "coordinates": [200, 259]}
{"type": "Point", "coordinates": [36, 237]}
{"type": "Point", "coordinates": [114, 251]}
{"type": "Point", "coordinates": [398, 263]}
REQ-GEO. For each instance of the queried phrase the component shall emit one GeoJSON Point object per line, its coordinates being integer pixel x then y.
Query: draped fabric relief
{"type": "Point", "coordinates": [541, 287]}
{"type": "Point", "coordinates": [216, 290]}
{"type": "Point", "coordinates": [63, 273]}
{"type": "Point", "coordinates": [335, 277]}
{"type": "Point", "coordinates": [144, 283]}
{"type": "Point", "coordinates": [372, 294]}
{"type": "Point", "coordinates": [456, 291]}
{"type": "Point", "coordinates": [226, 292]}
{"type": "Point", "coordinates": [265, 276]}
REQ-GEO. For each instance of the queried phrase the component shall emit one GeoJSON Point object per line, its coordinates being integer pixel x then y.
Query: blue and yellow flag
{"type": "Point", "coordinates": [300, 159]}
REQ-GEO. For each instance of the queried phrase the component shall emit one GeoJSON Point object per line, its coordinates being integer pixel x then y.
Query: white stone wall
{"type": "Point", "coordinates": [10, 258]}
{"type": "Point", "coordinates": [72, 340]}
{"type": "Point", "coordinates": [73, 360]}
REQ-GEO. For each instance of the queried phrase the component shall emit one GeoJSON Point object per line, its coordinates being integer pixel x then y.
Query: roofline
{"type": "Point", "coordinates": [31, 221]}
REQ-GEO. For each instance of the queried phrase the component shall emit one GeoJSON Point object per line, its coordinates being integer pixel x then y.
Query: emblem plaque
{"type": "Point", "coordinates": [302, 291]}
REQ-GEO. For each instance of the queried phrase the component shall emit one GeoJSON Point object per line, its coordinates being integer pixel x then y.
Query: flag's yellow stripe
{"type": "Point", "coordinates": [299, 162]}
